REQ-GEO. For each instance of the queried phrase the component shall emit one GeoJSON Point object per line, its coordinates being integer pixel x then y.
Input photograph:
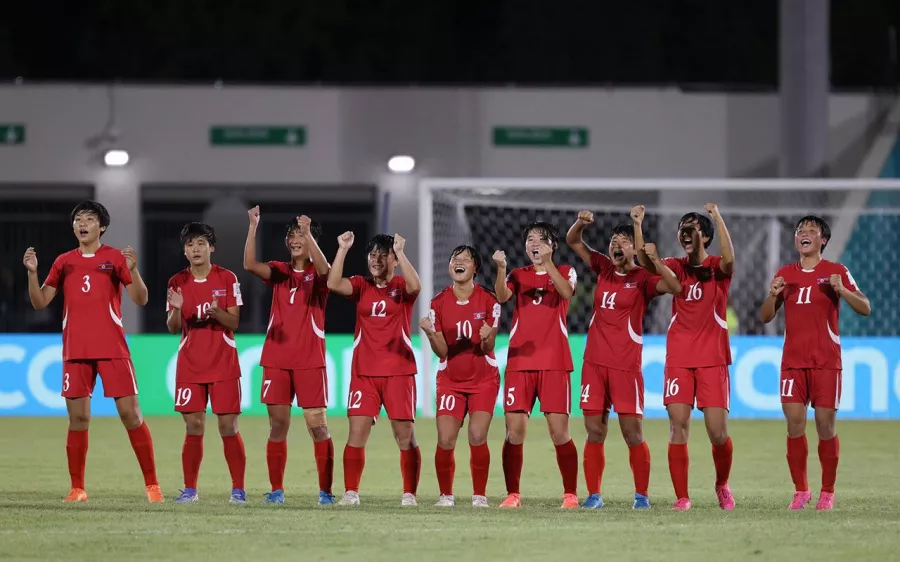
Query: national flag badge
{"type": "Point", "coordinates": [309, 277]}
{"type": "Point", "coordinates": [630, 284]}
{"type": "Point", "coordinates": [823, 280]}
{"type": "Point", "coordinates": [480, 315]}
{"type": "Point", "coordinates": [106, 266]}
{"type": "Point", "coordinates": [219, 293]}
{"type": "Point", "coordinates": [394, 293]}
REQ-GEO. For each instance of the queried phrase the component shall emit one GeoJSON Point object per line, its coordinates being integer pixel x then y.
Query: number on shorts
{"type": "Point", "coordinates": [585, 392]}
{"type": "Point", "coordinates": [672, 388]}
{"type": "Point", "coordinates": [510, 396]}
{"type": "Point", "coordinates": [293, 292]}
{"type": "Point", "coordinates": [355, 400]}
{"type": "Point", "coordinates": [182, 396]}
{"type": "Point", "coordinates": [610, 302]}
{"type": "Point", "coordinates": [87, 284]}
{"type": "Point", "coordinates": [804, 291]}
{"type": "Point", "coordinates": [787, 387]}
{"type": "Point", "coordinates": [448, 402]}
{"type": "Point", "coordinates": [266, 385]}
{"type": "Point", "coordinates": [695, 292]}
{"type": "Point", "coordinates": [379, 308]}
{"type": "Point", "coordinates": [65, 382]}
{"type": "Point", "coordinates": [538, 297]}
{"type": "Point", "coordinates": [463, 330]}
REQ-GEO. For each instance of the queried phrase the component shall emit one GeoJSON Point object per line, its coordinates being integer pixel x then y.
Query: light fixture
{"type": "Point", "coordinates": [401, 164]}
{"type": "Point", "coordinates": [115, 157]}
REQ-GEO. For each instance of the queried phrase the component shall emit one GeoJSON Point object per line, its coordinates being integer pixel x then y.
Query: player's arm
{"type": "Point", "coordinates": [137, 289]}
{"type": "Point", "coordinates": [174, 302]}
{"type": "Point", "coordinates": [773, 301]}
{"type": "Point", "coordinates": [40, 296]}
{"type": "Point", "coordinates": [410, 275]}
{"type": "Point", "coordinates": [435, 338]}
{"type": "Point", "coordinates": [574, 237]}
{"type": "Point", "coordinates": [565, 287]}
{"type": "Point", "coordinates": [504, 293]}
{"type": "Point", "coordinates": [856, 299]}
{"type": "Point", "coordinates": [669, 282]}
{"type": "Point", "coordinates": [228, 317]}
{"type": "Point", "coordinates": [337, 283]}
{"type": "Point", "coordinates": [315, 252]}
{"type": "Point", "coordinates": [488, 331]}
{"type": "Point", "coordinates": [258, 268]}
{"type": "Point", "coordinates": [637, 221]}
{"type": "Point", "coordinates": [726, 264]}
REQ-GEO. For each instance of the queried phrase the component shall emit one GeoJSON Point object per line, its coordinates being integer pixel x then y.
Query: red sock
{"type": "Point", "coordinates": [276, 458]}
{"type": "Point", "coordinates": [236, 458]}
{"type": "Point", "coordinates": [797, 451]}
{"type": "Point", "coordinates": [411, 469]}
{"type": "Point", "coordinates": [480, 466]}
{"type": "Point", "coordinates": [679, 461]}
{"type": "Point", "coordinates": [512, 466]}
{"type": "Point", "coordinates": [354, 463]}
{"type": "Point", "coordinates": [76, 452]}
{"type": "Point", "coordinates": [142, 443]}
{"type": "Point", "coordinates": [829, 451]}
{"type": "Point", "coordinates": [191, 457]}
{"type": "Point", "coordinates": [722, 455]}
{"type": "Point", "coordinates": [594, 463]}
{"type": "Point", "coordinates": [567, 459]}
{"type": "Point", "coordinates": [445, 467]}
{"type": "Point", "coordinates": [639, 459]}
{"type": "Point", "coordinates": [324, 453]}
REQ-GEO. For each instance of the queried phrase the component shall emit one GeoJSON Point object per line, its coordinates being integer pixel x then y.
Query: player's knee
{"type": "Point", "coordinates": [228, 425]}
{"type": "Point", "coordinates": [477, 436]}
{"type": "Point", "coordinates": [825, 429]}
{"type": "Point", "coordinates": [404, 436]}
{"type": "Point", "coordinates": [515, 435]}
{"type": "Point", "coordinates": [79, 421]}
{"type": "Point", "coordinates": [194, 425]}
{"type": "Point", "coordinates": [678, 432]}
{"type": "Point", "coordinates": [446, 442]}
{"type": "Point", "coordinates": [130, 419]}
{"type": "Point", "coordinates": [315, 418]}
{"type": "Point", "coordinates": [278, 428]}
{"type": "Point", "coordinates": [319, 433]}
{"type": "Point", "coordinates": [718, 436]}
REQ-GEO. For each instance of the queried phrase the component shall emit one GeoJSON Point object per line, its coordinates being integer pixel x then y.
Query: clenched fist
{"type": "Point", "coordinates": [130, 258]}
{"type": "Point", "coordinates": [304, 223]}
{"type": "Point", "coordinates": [345, 240]}
{"type": "Point", "coordinates": [30, 260]}
{"type": "Point", "coordinates": [837, 283]}
{"type": "Point", "coordinates": [776, 287]}
{"type": "Point", "coordinates": [499, 258]}
{"type": "Point", "coordinates": [427, 325]}
{"type": "Point", "coordinates": [650, 249]}
{"type": "Point", "coordinates": [254, 216]}
{"type": "Point", "coordinates": [712, 209]}
{"type": "Point", "coordinates": [637, 214]}
{"type": "Point", "coordinates": [399, 244]}
{"type": "Point", "coordinates": [586, 217]}
{"type": "Point", "coordinates": [485, 331]}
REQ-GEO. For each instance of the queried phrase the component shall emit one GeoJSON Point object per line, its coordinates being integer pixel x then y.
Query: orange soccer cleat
{"type": "Point", "coordinates": [570, 501]}
{"type": "Point", "coordinates": [76, 495]}
{"type": "Point", "coordinates": [512, 500]}
{"type": "Point", "coordinates": [154, 494]}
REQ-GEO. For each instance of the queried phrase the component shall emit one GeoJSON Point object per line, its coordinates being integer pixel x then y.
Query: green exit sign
{"type": "Point", "coordinates": [559, 137]}
{"type": "Point", "coordinates": [12, 133]}
{"type": "Point", "coordinates": [257, 135]}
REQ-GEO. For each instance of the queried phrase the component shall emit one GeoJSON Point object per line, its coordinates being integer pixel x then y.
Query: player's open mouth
{"type": "Point", "coordinates": [806, 243]}
{"type": "Point", "coordinates": [618, 254]}
{"type": "Point", "coordinates": [83, 232]}
{"type": "Point", "coordinates": [535, 252]}
{"type": "Point", "coordinates": [459, 270]}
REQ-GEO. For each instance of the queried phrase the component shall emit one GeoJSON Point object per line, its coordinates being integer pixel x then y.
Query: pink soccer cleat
{"type": "Point", "coordinates": [683, 504]}
{"type": "Point", "coordinates": [512, 500]}
{"type": "Point", "coordinates": [726, 500]}
{"type": "Point", "coordinates": [800, 500]}
{"type": "Point", "coordinates": [826, 501]}
{"type": "Point", "coordinates": [570, 501]}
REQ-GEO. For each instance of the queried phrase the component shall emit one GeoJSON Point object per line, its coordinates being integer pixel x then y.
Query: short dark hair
{"type": "Point", "coordinates": [314, 228]}
{"type": "Point", "coordinates": [706, 226]}
{"type": "Point", "coordinates": [382, 243]}
{"type": "Point", "coordinates": [624, 229]}
{"type": "Point", "coordinates": [92, 208]}
{"type": "Point", "coordinates": [545, 228]}
{"type": "Point", "coordinates": [476, 256]}
{"type": "Point", "coordinates": [819, 222]}
{"type": "Point", "coordinates": [193, 230]}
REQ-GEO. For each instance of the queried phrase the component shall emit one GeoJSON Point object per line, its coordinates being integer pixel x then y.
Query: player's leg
{"type": "Point", "coordinates": [225, 398]}
{"type": "Point", "coordinates": [520, 394]}
{"type": "Point", "coordinates": [277, 393]}
{"type": "Point", "coordinates": [190, 402]}
{"type": "Point", "coordinates": [714, 399]}
{"type": "Point", "coordinates": [399, 397]}
{"type": "Point", "coordinates": [626, 389]}
{"type": "Point", "coordinates": [77, 385]}
{"type": "Point", "coordinates": [363, 405]}
{"type": "Point", "coordinates": [680, 390]}
{"type": "Point", "coordinates": [451, 410]}
{"type": "Point", "coordinates": [312, 395]}
{"type": "Point", "coordinates": [481, 406]}
{"type": "Point", "coordinates": [826, 400]}
{"type": "Point", "coordinates": [595, 403]}
{"type": "Point", "coordinates": [555, 395]}
{"type": "Point", "coordinates": [794, 402]}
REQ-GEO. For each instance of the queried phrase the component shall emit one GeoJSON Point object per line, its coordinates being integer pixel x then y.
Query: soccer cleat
{"type": "Point", "coordinates": [325, 498]}
{"type": "Point", "coordinates": [76, 495]}
{"type": "Point", "coordinates": [726, 499]}
{"type": "Point", "coordinates": [275, 497]}
{"type": "Point", "coordinates": [188, 495]}
{"type": "Point", "coordinates": [408, 500]}
{"type": "Point", "coordinates": [800, 500]}
{"type": "Point", "coordinates": [641, 501]}
{"type": "Point", "coordinates": [445, 501]}
{"type": "Point", "coordinates": [154, 494]}
{"type": "Point", "coordinates": [570, 501]}
{"type": "Point", "coordinates": [682, 504]}
{"type": "Point", "coordinates": [826, 501]}
{"type": "Point", "coordinates": [480, 501]}
{"type": "Point", "coordinates": [512, 500]}
{"type": "Point", "coordinates": [238, 496]}
{"type": "Point", "coordinates": [350, 498]}
{"type": "Point", "coordinates": [593, 501]}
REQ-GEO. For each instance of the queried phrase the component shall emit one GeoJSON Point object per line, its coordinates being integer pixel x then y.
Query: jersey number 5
{"type": "Point", "coordinates": [538, 297]}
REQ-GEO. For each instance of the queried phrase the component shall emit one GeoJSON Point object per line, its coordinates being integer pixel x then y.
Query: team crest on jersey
{"type": "Point", "coordinates": [480, 315]}
{"type": "Point", "coordinates": [309, 277]}
{"type": "Point", "coordinates": [219, 293]}
{"type": "Point", "coordinates": [106, 266]}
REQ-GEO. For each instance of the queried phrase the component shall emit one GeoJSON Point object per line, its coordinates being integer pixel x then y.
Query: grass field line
{"type": "Point", "coordinates": [189, 532]}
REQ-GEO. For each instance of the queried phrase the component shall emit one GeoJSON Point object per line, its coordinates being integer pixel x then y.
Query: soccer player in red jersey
{"type": "Point", "coordinates": [203, 304]}
{"type": "Point", "coordinates": [697, 348]}
{"type": "Point", "coordinates": [810, 291]}
{"type": "Point", "coordinates": [462, 328]}
{"type": "Point", "coordinates": [539, 361]}
{"type": "Point", "coordinates": [383, 372]}
{"type": "Point", "coordinates": [91, 277]}
{"type": "Point", "coordinates": [293, 356]}
{"type": "Point", "coordinates": [611, 376]}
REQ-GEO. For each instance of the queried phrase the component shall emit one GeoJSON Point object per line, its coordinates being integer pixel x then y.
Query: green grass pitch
{"type": "Point", "coordinates": [118, 524]}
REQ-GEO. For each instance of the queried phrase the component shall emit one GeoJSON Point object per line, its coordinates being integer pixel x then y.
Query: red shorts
{"type": "Point", "coordinates": [280, 386]}
{"type": "Point", "coordinates": [80, 377]}
{"type": "Point", "coordinates": [710, 386]}
{"type": "Point", "coordinates": [603, 388]}
{"type": "Point", "coordinates": [457, 403]}
{"type": "Point", "coordinates": [223, 396]}
{"type": "Point", "coordinates": [819, 387]}
{"type": "Point", "coordinates": [552, 388]}
{"type": "Point", "coordinates": [396, 394]}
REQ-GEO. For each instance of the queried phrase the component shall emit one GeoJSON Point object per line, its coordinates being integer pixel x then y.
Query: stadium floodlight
{"type": "Point", "coordinates": [116, 158]}
{"type": "Point", "coordinates": [401, 164]}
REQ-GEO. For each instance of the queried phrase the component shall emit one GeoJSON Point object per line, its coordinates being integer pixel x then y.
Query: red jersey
{"type": "Point", "coordinates": [466, 366]}
{"type": "Point", "coordinates": [811, 336]}
{"type": "Point", "coordinates": [698, 331]}
{"type": "Point", "coordinates": [381, 344]}
{"type": "Point", "coordinates": [92, 288]}
{"type": "Point", "coordinates": [207, 352]}
{"type": "Point", "coordinates": [616, 331]}
{"type": "Point", "coordinates": [539, 338]}
{"type": "Point", "coordinates": [295, 337]}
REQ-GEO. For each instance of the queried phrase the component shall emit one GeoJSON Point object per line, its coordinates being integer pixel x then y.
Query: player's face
{"type": "Point", "coordinates": [808, 239]}
{"type": "Point", "coordinates": [381, 263]}
{"type": "Point", "coordinates": [690, 237]}
{"type": "Point", "coordinates": [87, 227]}
{"type": "Point", "coordinates": [197, 250]}
{"type": "Point", "coordinates": [296, 243]}
{"type": "Point", "coordinates": [621, 250]}
{"type": "Point", "coordinates": [462, 267]}
{"type": "Point", "coordinates": [533, 244]}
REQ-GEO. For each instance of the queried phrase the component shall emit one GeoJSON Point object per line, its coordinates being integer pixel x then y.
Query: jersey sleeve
{"type": "Point", "coordinates": [848, 280]}
{"type": "Point", "coordinates": [495, 310]}
{"type": "Point", "coordinates": [122, 271]}
{"type": "Point", "coordinates": [650, 286]}
{"type": "Point", "coordinates": [675, 265]}
{"type": "Point", "coordinates": [280, 273]}
{"type": "Point", "coordinates": [435, 313]}
{"type": "Point", "coordinates": [600, 262]}
{"type": "Point", "coordinates": [54, 278]}
{"type": "Point", "coordinates": [512, 281]}
{"type": "Point", "coordinates": [173, 284]}
{"type": "Point", "coordinates": [716, 263]}
{"type": "Point", "coordinates": [357, 282]}
{"type": "Point", "coordinates": [571, 275]}
{"type": "Point", "coordinates": [232, 290]}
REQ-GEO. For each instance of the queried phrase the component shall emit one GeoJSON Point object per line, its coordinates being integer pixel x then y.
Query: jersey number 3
{"type": "Point", "coordinates": [87, 284]}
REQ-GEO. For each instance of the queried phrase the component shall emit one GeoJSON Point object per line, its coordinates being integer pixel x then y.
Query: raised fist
{"type": "Point", "coordinates": [777, 286]}
{"type": "Point", "coordinates": [586, 217]}
{"type": "Point", "coordinates": [499, 258]}
{"type": "Point", "coordinates": [304, 223]}
{"type": "Point", "coordinates": [836, 283]}
{"type": "Point", "coordinates": [637, 214]}
{"type": "Point", "coordinates": [345, 240]}
{"type": "Point", "coordinates": [712, 209]}
{"type": "Point", "coordinates": [130, 257]}
{"type": "Point", "coordinates": [30, 260]}
{"type": "Point", "coordinates": [650, 249]}
{"type": "Point", "coordinates": [427, 325]}
{"type": "Point", "coordinates": [254, 216]}
{"type": "Point", "coordinates": [399, 244]}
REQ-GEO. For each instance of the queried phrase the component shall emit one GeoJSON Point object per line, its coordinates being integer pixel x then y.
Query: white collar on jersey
{"type": "Point", "coordinates": [540, 273]}
{"type": "Point", "coordinates": [462, 303]}
{"type": "Point", "coordinates": [621, 274]}
{"type": "Point", "coordinates": [807, 270]}
{"type": "Point", "coordinates": [196, 280]}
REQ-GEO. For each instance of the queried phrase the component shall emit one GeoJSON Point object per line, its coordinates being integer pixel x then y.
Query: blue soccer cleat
{"type": "Point", "coordinates": [593, 501]}
{"type": "Point", "coordinates": [238, 496]}
{"type": "Point", "coordinates": [641, 502]}
{"type": "Point", "coordinates": [275, 497]}
{"type": "Point", "coordinates": [188, 495]}
{"type": "Point", "coordinates": [325, 498]}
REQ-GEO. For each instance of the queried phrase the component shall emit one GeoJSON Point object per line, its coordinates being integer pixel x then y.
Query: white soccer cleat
{"type": "Point", "coordinates": [445, 501]}
{"type": "Point", "coordinates": [350, 498]}
{"type": "Point", "coordinates": [408, 500]}
{"type": "Point", "coordinates": [479, 501]}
